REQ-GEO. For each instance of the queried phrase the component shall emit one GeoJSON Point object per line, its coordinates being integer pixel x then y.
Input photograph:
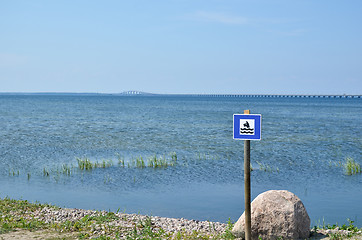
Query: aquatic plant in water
{"type": "Point", "coordinates": [174, 156]}
{"type": "Point", "coordinates": [140, 163]}
{"type": "Point", "coordinates": [159, 162]}
{"type": "Point", "coordinates": [14, 173]}
{"type": "Point", "coordinates": [352, 167]}
{"type": "Point", "coordinates": [85, 164]}
{"type": "Point", "coordinates": [66, 169]}
{"type": "Point", "coordinates": [264, 167]}
{"type": "Point", "coordinates": [120, 160]}
{"type": "Point", "coordinates": [204, 156]}
{"type": "Point", "coordinates": [152, 162]}
{"type": "Point", "coordinates": [103, 164]}
{"type": "Point", "coordinates": [45, 172]}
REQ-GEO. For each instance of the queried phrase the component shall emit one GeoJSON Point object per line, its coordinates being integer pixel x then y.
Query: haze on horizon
{"type": "Point", "coordinates": [182, 46]}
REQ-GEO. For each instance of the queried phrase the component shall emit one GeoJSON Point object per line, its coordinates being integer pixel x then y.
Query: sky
{"type": "Point", "coordinates": [181, 46]}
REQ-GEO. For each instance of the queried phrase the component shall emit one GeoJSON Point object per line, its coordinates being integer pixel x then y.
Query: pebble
{"type": "Point", "coordinates": [171, 225]}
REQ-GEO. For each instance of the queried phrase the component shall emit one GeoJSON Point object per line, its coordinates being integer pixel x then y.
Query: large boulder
{"type": "Point", "coordinates": [275, 215]}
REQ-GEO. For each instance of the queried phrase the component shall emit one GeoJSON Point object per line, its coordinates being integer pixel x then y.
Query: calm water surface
{"type": "Point", "coordinates": [305, 143]}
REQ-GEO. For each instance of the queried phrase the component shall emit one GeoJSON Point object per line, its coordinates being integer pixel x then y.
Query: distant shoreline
{"type": "Point", "coordinates": [138, 93]}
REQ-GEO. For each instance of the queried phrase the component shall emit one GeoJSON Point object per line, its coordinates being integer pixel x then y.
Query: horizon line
{"type": "Point", "coordinates": [135, 92]}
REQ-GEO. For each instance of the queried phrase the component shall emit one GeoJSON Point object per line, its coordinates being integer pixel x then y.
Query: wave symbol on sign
{"type": "Point", "coordinates": [247, 129]}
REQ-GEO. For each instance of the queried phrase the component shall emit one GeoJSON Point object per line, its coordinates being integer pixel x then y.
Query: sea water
{"type": "Point", "coordinates": [304, 147]}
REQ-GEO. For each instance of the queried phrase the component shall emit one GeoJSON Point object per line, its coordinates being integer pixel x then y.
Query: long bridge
{"type": "Point", "coordinates": [278, 95]}
{"type": "Point", "coordinates": [139, 93]}
{"type": "Point", "coordinates": [135, 93]}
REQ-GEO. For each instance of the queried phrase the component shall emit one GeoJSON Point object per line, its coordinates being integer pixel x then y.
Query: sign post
{"type": "Point", "coordinates": [247, 127]}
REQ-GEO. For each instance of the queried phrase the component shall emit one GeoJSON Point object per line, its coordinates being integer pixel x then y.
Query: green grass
{"type": "Point", "coordinates": [20, 214]}
{"type": "Point", "coordinates": [13, 215]}
{"type": "Point", "coordinates": [350, 227]}
{"type": "Point", "coordinates": [352, 167]}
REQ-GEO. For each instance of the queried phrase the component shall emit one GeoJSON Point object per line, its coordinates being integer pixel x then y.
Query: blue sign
{"type": "Point", "coordinates": [247, 126]}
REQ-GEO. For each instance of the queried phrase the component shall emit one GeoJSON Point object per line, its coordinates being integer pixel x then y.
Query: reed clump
{"type": "Point", "coordinates": [157, 162]}
{"type": "Point", "coordinates": [14, 172]}
{"type": "Point", "coordinates": [174, 156]}
{"type": "Point", "coordinates": [162, 162]}
{"type": "Point", "coordinates": [66, 169]}
{"type": "Point", "coordinates": [151, 162]}
{"type": "Point", "coordinates": [104, 164]}
{"type": "Point", "coordinates": [120, 160]}
{"type": "Point", "coordinates": [352, 167]}
{"type": "Point", "coordinates": [264, 167]}
{"type": "Point", "coordinates": [87, 165]}
{"type": "Point", "coordinates": [140, 163]}
{"type": "Point", "coordinates": [45, 172]}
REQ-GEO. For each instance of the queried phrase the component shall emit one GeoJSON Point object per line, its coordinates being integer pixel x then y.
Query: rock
{"type": "Point", "coordinates": [274, 215]}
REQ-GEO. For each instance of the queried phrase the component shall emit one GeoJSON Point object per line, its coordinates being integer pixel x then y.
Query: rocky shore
{"type": "Point", "coordinates": [169, 225]}
{"type": "Point", "coordinates": [23, 220]}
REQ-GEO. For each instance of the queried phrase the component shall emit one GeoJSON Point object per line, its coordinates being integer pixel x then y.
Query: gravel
{"type": "Point", "coordinates": [169, 225]}
{"type": "Point", "coordinates": [129, 221]}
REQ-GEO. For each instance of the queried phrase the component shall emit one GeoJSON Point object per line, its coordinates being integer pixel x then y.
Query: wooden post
{"type": "Point", "coordinates": [247, 186]}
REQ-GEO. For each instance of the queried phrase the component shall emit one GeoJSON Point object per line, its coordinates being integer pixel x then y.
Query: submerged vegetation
{"type": "Point", "coordinates": [14, 173]}
{"type": "Point", "coordinates": [84, 164]}
{"type": "Point", "coordinates": [208, 156]}
{"type": "Point", "coordinates": [138, 162]}
{"type": "Point", "coordinates": [155, 162]}
{"type": "Point", "coordinates": [151, 162]}
{"type": "Point", "coordinates": [351, 167]}
{"type": "Point", "coordinates": [266, 167]}
{"type": "Point", "coordinates": [45, 172]}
